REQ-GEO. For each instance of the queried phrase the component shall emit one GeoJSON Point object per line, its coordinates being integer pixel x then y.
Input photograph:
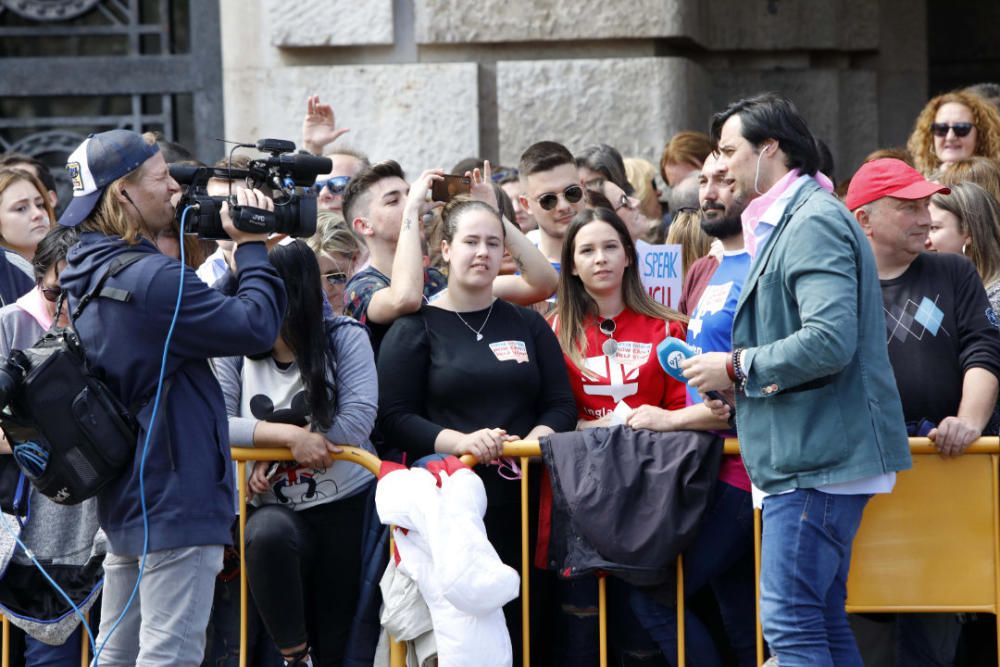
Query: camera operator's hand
{"type": "Point", "coordinates": [245, 197]}
{"type": "Point", "coordinates": [418, 200]}
{"type": "Point", "coordinates": [319, 126]}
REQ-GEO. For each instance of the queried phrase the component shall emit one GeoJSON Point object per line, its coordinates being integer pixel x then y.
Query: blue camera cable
{"type": "Point", "coordinates": [36, 455]}
{"type": "Point", "coordinates": [145, 449]}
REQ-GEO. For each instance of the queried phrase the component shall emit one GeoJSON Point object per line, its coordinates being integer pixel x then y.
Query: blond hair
{"type": "Point", "coordinates": [985, 117]}
{"type": "Point", "coordinates": [686, 231]}
{"type": "Point", "coordinates": [983, 171]}
{"type": "Point", "coordinates": [110, 217]}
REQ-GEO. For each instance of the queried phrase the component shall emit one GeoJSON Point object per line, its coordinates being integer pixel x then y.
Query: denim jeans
{"type": "Point", "coordinates": [720, 557]}
{"type": "Point", "coordinates": [805, 558]}
{"type": "Point", "coordinates": [577, 641]}
{"type": "Point", "coordinates": [165, 625]}
{"type": "Point", "coordinates": [40, 654]}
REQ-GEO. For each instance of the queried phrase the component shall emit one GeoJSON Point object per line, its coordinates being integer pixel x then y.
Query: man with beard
{"type": "Point", "coordinates": [820, 420]}
{"type": "Point", "coordinates": [720, 218]}
{"type": "Point", "coordinates": [721, 557]}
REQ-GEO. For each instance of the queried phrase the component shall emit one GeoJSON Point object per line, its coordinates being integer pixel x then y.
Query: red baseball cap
{"type": "Point", "coordinates": [888, 177]}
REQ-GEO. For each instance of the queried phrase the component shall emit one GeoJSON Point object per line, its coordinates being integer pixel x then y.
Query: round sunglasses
{"type": "Point", "coordinates": [550, 200]}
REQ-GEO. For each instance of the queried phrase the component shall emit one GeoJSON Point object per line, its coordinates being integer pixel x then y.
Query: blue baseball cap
{"type": "Point", "coordinates": [101, 159]}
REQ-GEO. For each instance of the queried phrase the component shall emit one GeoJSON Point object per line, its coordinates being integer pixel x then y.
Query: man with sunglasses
{"type": "Point", "coordinates": [553, 193]}
{"type": "Point", "coordinates": [330, 188]}
{"type": "Point", "coordinates": [319, 129]}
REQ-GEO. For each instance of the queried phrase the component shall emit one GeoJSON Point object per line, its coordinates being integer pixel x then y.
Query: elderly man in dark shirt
{"type": "Point", "coordinates": [943, 345]}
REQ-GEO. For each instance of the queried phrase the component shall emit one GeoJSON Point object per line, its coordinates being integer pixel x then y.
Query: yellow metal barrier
{"type": "Point", "coordinates": [241, 456]}
{"type": "Point", "coordinates": [903, 539]}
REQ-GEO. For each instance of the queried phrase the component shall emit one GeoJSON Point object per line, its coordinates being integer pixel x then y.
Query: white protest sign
{"type": "Point", "coordinates": [661, 271]}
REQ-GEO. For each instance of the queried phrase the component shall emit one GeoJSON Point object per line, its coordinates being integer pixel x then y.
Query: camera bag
{"type": "Point", "coordinates": [72, 435]}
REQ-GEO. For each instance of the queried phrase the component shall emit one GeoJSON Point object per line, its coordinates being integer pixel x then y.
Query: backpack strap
{"type": "Point", "coordinates": [116, 266]}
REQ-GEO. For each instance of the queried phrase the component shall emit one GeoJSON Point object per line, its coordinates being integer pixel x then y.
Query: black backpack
{"type": "Point", "coordinates": [72, 435]}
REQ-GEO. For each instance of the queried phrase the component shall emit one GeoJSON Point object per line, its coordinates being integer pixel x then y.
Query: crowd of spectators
{"type": "Point", "coordinates": [418, 328]}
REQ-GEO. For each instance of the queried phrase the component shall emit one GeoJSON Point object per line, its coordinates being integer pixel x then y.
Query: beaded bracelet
{"type": "Point", "coordinates": [739, 376]}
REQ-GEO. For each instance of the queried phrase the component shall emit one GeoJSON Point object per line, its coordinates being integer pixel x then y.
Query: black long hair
{"type": "Point", "coordinates": [303, 328]}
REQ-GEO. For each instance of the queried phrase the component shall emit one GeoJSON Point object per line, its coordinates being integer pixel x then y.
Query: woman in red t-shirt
{"type": "Point", "coordinates": [609, 327]}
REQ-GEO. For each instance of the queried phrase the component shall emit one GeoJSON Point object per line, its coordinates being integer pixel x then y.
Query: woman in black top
{"type": "Point", "coordinates": [469, 372]}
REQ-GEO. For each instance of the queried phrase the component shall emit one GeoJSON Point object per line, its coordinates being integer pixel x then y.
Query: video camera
{"type": "Point", "coordinates": [289, 175]}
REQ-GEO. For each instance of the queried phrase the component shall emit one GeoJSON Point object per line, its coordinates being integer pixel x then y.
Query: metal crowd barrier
{"type": "Point", "coordinates": [904, 538]}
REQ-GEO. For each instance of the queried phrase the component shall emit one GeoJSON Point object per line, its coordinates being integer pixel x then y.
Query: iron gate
{"type": "Point", "coordinates": [72, 67]}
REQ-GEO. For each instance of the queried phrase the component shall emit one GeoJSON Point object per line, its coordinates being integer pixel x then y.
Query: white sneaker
{"type": "Point", "coordinates": [771, 662]}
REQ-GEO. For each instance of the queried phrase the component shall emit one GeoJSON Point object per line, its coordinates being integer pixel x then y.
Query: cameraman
{"type": "Point", "coordinates": [121, 201]}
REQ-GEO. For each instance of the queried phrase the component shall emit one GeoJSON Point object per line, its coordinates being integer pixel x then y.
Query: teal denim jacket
{"type": "Point", "coordinates": [820, 405]}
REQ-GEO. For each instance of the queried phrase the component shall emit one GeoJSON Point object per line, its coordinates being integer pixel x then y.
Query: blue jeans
{"type": "Point", "coordinates": [720, 557]}
{"type": "Point", "coordinates": [577, 629]}
{"type": "Point", "coordinates": [805, 557]}
{"type": "Point", "coordinates": [40, 654]}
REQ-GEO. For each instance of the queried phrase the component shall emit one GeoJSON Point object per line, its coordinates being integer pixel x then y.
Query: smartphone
{"type": "Point", "coordinates": [449, 187]}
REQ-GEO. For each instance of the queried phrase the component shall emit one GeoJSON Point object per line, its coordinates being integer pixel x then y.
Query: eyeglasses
{"type": "Point", "coordinates": [960, 129]}
{"type": "Point", "coordinates": [550, 200]}
{"type": "Point", "coordinates": [627, 202]}
{"type": "Point", "coordinates": [335, 278]}
{"type": "Point", "coordinates": [51, 293]}
{"type": "Point", "coordinates": [337, 185]}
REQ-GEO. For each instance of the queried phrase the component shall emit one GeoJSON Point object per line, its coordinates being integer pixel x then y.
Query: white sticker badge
{"type": "Point", "coordinates": [510, 350]}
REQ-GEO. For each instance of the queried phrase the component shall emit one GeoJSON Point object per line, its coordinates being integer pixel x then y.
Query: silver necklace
{"type": "Point", "coordinates": [478, 332]}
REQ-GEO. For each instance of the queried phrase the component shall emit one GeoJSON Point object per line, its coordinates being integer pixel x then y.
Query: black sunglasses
{"type": "Point", "coordinates": [960, 129]}
{"type": "Point", "coordinates": [51, 293]}
{"type": "Point", "coordinates": [337, 185]}
{"type": "Point", "coordinates": [550, 200]}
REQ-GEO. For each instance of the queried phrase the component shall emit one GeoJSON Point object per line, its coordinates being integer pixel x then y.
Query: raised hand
{"type": "Point", "coordinates": [481, 187]}
{"type": "Point", "coordinates": [319, 126]}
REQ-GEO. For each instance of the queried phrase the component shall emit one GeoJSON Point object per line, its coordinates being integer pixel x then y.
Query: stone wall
{"type": "Point", "coordinates": [429, 82]}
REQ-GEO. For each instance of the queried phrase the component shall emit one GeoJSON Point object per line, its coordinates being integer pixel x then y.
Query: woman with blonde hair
{"type": "Point", "coordinates": [953, 126]}
{"type": "Point", "coordinates": [983, 171]}
{"type": "Point", "coordinates": [642, 175]}
{"type": "Point", "coordinates": [967, 221]}
{"type": "Point", "coordinates": [686, 232]}
{"type": "Point", "coordinates": [340, 253]}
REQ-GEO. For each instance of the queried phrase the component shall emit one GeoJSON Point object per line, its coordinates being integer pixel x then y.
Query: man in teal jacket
{"type": "Point", "coordinates": [819, 416]}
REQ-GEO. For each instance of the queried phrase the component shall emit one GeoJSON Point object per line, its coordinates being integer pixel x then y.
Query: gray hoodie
{"type": "Point", "coordinates": [56, 534]}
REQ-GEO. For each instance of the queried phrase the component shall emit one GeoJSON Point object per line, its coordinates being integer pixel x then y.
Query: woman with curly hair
{"type": "Point", "coordinates": [953, 126]}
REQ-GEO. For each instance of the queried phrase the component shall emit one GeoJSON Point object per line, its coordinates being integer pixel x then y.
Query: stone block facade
{"type": "Point", "coordinates": [431, 81]}
{"type": "Point", "coordinates": [329, 23]}
{"type": "Point", "coordinates": [634, 104]}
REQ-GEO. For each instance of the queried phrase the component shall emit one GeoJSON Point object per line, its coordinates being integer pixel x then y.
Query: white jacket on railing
{"type": "Point", "coordinates": [445, 550]}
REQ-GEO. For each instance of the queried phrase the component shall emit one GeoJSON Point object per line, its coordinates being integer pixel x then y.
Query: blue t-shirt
{"type": "Point", "coordinates": [711, 325]}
